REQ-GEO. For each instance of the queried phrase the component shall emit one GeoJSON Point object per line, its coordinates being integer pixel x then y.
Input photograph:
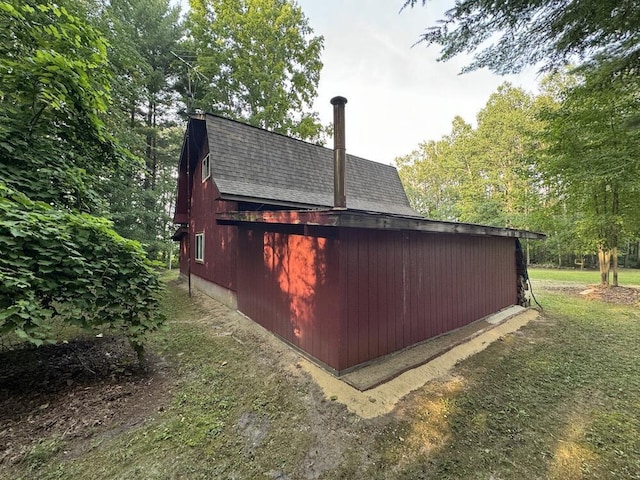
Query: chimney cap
{"type": "Point", "coordinates": [338, 100]}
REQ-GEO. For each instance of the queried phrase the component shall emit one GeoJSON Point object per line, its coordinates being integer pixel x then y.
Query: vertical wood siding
{"type": "Point", "coordinates": [370, 293]}
{"type": "Point", "coordinates": [184, 245]}
{"type": "Point", "coordinates": [290, 285]}
{"type": "Point", "coordinates": [220, 242]}
{"type": "Point", "coordinates": [400, 288]}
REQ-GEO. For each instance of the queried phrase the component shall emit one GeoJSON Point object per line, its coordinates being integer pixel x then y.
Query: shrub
{"type": "Point", "coordinates": [58, 265]}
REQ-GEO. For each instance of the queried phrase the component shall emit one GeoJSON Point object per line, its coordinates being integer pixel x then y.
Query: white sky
{"type": "Point", "coordinates": [398, 96]}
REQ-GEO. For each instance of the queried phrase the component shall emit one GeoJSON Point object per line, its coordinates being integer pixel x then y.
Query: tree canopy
{"type": "Point", "coordinates": [507, 35]}
{"type": "Point", "coordinates": [565, 161]}
{"type": "Point", "coordinates": [482, 175]}
{"type": "Point", "coordinates": [258, 61]}
{"type": "Point", "coordinates": [60, 260]}
{"type": "Point", "coordinates": [593, 160]}
{"type": "Point", "coordinates": [53, 86]}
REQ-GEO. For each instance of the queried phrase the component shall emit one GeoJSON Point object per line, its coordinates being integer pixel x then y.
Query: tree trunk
{"type": "Point", "coordinates": [604, 258]}
{"type": "Point", "coordinates": [614, 253]}
{"type": "Point", "coordinates": [628, 254]}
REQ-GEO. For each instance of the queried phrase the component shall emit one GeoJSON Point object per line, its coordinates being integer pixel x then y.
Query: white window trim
{"type": "Point", "coordinates": [206, 172]}
{"type": "Point", "coordinates": [199, 239]}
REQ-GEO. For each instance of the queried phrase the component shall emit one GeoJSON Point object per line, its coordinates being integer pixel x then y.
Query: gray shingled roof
{"type": "Point", "coordinates": [252, 164]}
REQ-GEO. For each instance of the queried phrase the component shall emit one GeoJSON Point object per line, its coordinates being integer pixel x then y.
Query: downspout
{"type": "Point", "coordinates": [189, 207]}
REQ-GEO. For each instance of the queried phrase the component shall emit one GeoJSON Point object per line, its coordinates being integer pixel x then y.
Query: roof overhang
{"type": "Point", "coordinates": [368, 220]}
{"type": "Point", "coordinates": [179, 234]}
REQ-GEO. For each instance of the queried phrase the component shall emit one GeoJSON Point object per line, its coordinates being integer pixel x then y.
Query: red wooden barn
{"type": "Point", "coordinates": [265, 227]}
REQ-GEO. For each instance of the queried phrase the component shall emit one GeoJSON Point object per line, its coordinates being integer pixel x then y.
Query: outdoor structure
{"type": "Point", "coordinates": [323, 249]}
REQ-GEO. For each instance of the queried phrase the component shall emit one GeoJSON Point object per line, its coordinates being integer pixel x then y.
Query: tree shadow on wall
{"type": "Point", "coordinates": [298, 266]}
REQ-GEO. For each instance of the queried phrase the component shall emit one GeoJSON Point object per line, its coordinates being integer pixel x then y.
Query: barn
{"type": "Point", "coordinates": [323, 249]}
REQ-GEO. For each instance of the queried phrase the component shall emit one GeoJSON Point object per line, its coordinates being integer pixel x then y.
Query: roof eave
{"type": "Point", "coordinates": [368, 220]}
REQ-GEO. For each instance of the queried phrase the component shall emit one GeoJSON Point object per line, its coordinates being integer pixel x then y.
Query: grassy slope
{"type": "Point", "coordinates": [626, 276]}
{"type": "Point", "coordinates": [196, 435]}
{"type": "Point", "coordinates": [560, 399]}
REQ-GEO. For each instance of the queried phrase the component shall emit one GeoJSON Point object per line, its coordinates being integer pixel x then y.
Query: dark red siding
{"type": "Point", "coordinates": [372, 292]}
{"type": "Point", "coordinates": [290, 285]}
{"type": "Point", "coordinates": [183, 255]}
{"type": "Point", "coordinates": [220, 242]}
{"type": "Point", "coordinates": [400, 288]}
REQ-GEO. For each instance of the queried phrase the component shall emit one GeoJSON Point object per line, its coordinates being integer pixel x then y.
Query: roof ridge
{"type": "Point", "coordinates": [244, 123]}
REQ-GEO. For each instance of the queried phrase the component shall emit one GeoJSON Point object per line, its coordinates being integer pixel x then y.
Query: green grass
{"type": "Point", "coordinates": [560, 399]}
{"type": "Point", "coordinates": [626, 276]}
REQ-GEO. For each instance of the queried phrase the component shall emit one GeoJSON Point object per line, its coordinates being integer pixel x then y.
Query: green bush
{"type": "Point", "coordinates": [57, 265]}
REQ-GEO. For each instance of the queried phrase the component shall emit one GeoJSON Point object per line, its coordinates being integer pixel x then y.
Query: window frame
{"type": "Point", "coordinates": [198, 251]}
{"type": "Point", "coordinates": [206, 172]}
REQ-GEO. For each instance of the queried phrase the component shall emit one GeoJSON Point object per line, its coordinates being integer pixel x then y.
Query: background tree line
{"type": "Point", "coordinates": [564, 162]}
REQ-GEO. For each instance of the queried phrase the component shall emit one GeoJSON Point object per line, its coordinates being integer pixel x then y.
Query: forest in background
{"type": "Point", "coordinates": [563, 162]}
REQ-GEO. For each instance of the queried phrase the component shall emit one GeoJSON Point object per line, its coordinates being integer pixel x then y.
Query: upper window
{"type": "Point", "coordinates": [199, 247]}
{"type": "Point", "coordinates": [206, 167]}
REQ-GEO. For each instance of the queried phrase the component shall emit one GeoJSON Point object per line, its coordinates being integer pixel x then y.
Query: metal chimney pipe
{"type": "Point", "coordinates": [339, 153]}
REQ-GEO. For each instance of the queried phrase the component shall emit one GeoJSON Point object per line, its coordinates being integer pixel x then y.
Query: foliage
{"type": "Point", "coordinates": [53, 86]}
{"type": "Point", "coordinates": [482, 175]}
{"type": "Point", "coordinates": [71, 267]}
{"type": "Point", "coordinates": [257, 60]}
{"type": "Point", "coordinates": [143, 35]}
{"type": "Point", "coordinates": [592, 158]}
{"type": "Point", "coordinates": [55, 155]}
{"type": "Point", "coordinates": [507, 35]}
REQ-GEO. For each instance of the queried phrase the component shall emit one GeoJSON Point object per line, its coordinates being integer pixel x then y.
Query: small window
{"type": "Point", "coordinates": [200, 247]}
{"type": "Point", "coordinates": [206, 167]}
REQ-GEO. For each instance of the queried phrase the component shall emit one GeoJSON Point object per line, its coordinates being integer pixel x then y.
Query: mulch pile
{"type": "Point", "coordinates": [619, 295]}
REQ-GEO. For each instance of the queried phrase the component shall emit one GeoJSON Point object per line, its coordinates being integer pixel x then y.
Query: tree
{"type": "Point", "coordinates": [53, 86]}
{"type": "Point", "coordinates": [143, 36]}
{"type": "Point", "coordinates": [59, 263]}
{"type": "Point", "coordinates": [63, 266]}
{"type": "Point", "coordinates": [507, 35]}
{"type": "Point", "coordinates": [433, 174]}
{"type": "Point", "coordinates": [505, 146]}
{"type": "Point", "coordinates": [593, 159]}
{"type": "Point", "coordinates": [255, 60]}
{"type": "Point", "coordinates": [482, 175]}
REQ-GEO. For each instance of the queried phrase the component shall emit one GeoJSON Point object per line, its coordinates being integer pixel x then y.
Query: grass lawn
{"type": "Point", "coordinates": [559, 399]}
{"type": "Point", "coordinates": [626, 276]}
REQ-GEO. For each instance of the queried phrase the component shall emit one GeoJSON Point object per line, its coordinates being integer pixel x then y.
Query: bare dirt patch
{"type": "Point", "coordinates": [74, 392]}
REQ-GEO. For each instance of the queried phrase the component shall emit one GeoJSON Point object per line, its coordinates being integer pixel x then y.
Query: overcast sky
{"type": "Point", "coordinates": [398, 96]}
